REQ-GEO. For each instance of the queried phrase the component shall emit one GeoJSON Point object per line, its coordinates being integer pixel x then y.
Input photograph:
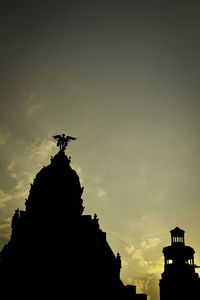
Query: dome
{"type": "Point", "coordinates": [56, 189]}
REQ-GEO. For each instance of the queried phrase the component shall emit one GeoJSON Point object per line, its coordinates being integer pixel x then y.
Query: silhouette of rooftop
{"type": "Point", "coordinates": [177, 232]}
{"type": "Point", "coordinates": [56, 251]}
{"type": "Point", "coordinates": [179, 279]}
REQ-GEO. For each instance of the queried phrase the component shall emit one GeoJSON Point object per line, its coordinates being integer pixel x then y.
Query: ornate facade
{"type": "Point", "coordinates": [55, 250]}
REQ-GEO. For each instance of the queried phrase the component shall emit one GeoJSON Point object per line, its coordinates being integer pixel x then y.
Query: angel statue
{"type": "Point", "coordinates": [62, 140]}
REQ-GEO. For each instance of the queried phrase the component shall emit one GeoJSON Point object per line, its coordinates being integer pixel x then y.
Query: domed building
{"type": "Point", "coordinates": [179, 280]}
{"type": "Point", "coordinates": [55, 250]}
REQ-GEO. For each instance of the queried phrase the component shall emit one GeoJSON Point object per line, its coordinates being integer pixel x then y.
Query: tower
{"type": "Point", "coordinates": [179, 280]}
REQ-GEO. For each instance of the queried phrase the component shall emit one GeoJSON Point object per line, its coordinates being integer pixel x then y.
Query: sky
{"type": "Point", "coordinates": [122, 77]}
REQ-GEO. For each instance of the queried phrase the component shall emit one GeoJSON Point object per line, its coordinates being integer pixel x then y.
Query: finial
{"type": "Point", "coordinates": [96, 222]}
{"type": "Point", "coordinates": [62, 141]}
{"type": "Point", "coordinates": [119, 260]}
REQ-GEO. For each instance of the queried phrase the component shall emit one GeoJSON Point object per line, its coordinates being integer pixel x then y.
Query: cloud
{"type": "Point", "coordinates": [11, 169]}
{"type": "Point", "coordinates": [155, 266]}
{"type": "Point", "coordinates": [147, 266]}
{"type": "Point", "coordinates": [5, 229]}
{"type": "Point", "coordinates": [146, 284]}
{"type": "Point", "coordinates": [124, 262]}
{"type": "Point", "coordinates": [100, 193]}
{"type": "Point", "coordinates": [4, 135]}
{"type": "Point", "coordinates": [137, 254]}
{"type": "Point", "coordinates": [20, 191]}
{"type": "Point", "coordinates": [150, 243]}
{"type": "Point", "coordinates": [129, 249]}
{"type": "Point", "coordinates": [141, 285]}
{"type": "Point", "coordinates": [151, 266]}
{"type": "Point", "coordinates": [4, 197]}
{"type": "Point", "coordinates": [33, 105]}
{"type": "Point", "coordinates": [20, 185]}
{"type": "Point", "coordinates": [129, 280]}
{"type": "Point", "coordinates": [39, 150]}
{"type": "Point", "coordinates": [4, 226]}
{"type": "Point", "coordinates": [79, 171]}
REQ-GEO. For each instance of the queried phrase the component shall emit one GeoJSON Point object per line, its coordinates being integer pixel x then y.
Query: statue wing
{"type": "Point", "coordinates": [56, 137]}
{"type": "Point", "coordinates": [69, 138]}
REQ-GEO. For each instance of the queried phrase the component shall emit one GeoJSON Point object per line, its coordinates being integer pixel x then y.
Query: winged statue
{"type": "Point", "coordinates": [62, 140]}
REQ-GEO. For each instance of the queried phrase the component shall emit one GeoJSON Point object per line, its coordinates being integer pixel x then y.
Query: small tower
{"type": "Point", "coordinates": [177, 235]}
{"type": "Point", "coordinates": [179, 280]}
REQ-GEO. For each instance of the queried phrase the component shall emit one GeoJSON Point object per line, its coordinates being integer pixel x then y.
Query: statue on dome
{"type": "Point", "coordinates": [62, 140]}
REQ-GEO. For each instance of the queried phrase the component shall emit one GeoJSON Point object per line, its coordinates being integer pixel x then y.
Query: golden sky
{"type": "Point", "coordinates": [122, 77]}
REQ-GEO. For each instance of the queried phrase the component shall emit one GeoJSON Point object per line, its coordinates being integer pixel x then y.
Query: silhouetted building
{"type": "Point", "coordinates": [55, 251]}
{"type": "Point", "coordinates": [130, 293]}
{"type": "Point", "coordinates": [179, 280]}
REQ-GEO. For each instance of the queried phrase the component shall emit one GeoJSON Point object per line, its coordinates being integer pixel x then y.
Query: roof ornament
{"type": "Point", "coordinates": [62, 141]}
